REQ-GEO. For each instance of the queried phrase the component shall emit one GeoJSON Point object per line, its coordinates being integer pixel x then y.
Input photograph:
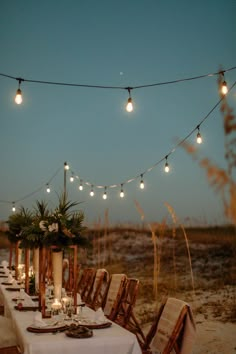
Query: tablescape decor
{"type": "Point", "coordinates": [77, 331]}
{"type": "Point", "coordinates": [57, 257]}
{"type": "Point", "coordinates": [56, 307]}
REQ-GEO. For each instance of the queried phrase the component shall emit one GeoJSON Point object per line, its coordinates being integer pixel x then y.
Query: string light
{"type": "Point", "coordinates": [122, 194]}
{"type": "Point", "coordinates": [199, 137]}
{"type": "Point", "coordinates": [81, 185]}
{"type": "Point", "coordinates": [66, 166]}
{"type": "Point", "coordinates": [129, 106]}
{"type": "Point", "coordinates": [18, 98]}
{"type": "Point", "coordinates": [141, 183]}
{"type": "Point", "coordinates": [48, 190]}
{"type": "Point", "coordinates": [150, 168]}
{"type": "Point", "coordinates": [224, 87]}
{"type": "Point", "coordinates": [167, 167]}
{"type": "Point", "coordinates": [105, 193]}
{"type": "Point", "coordinates": [72, 178]}
{"type": "Point", "coordinates": [13, 207]}
{"type": "Point", "coordinates": [91, 192]}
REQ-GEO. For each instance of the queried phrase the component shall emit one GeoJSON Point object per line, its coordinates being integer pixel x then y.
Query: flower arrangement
{"type": "Point", "coordinates": [60, 228]}
{"type": "Point", "coordinates": [63, 227]}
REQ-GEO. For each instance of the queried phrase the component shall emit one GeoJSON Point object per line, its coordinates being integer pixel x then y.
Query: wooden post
{"type": "Point", "coordinates": [27, 261]}
{"type": "Point", "coordinates": [17, 259]}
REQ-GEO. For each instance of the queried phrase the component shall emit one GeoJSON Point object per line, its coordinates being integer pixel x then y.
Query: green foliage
{"type": "Point", "coordinates": [17, 222]}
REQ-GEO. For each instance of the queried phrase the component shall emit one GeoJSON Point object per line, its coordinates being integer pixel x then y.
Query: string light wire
{"type": "Point", "coordinates": [116, 87]}
{"type": "Point", "coordinates": [19, 79]}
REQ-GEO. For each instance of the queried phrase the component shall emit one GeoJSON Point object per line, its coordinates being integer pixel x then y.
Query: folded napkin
{"type": "Point", "coordinates": [5, 263]}
{"type": "Point", "coordinates": [38, 321]}
{"type": "Point", "coordinates": [27, 301]}
{"type": "Point", "coordinates": [14, 282]}
{"type": "Point", "coordinates": [79, 300]}
{"type": "Point", "coordinates": [10, 278]}
{"type": "Point", "coordinates": [99, 316]}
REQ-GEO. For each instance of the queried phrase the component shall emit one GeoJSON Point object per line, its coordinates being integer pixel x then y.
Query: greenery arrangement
{"type": "Point", "coordinates": [60, 228]}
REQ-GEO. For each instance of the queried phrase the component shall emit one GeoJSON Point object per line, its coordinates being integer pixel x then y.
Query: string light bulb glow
{"type": "Point", "coordinates": [167, 167]}
{"type": "Point", "coordinates": [224, 87]}
{"type": "Point", "coordinates": [105, 193]}
{"type": "Point", "coordinates": [48, 190]}
{"type": "Point", "coordinates": [81, 186]}
{"type": "Point", "coordinates": [199, 137]}
{"type": "Point", "coordinates": [122, 194]}
{"type": "Point", "coordinates": [72, 178]}
{"type": "Point", "coordinates": [13, 207]}
{"type": "Point", "coordinates": [129, 106]}
{"type": "Point", "coordinates": [66, 166]}
{"type": "Point", "coordinates": [18, 98]}
{"type": "Point", "coordinates": [91, 192]}
{"type": "Point", "coordinates": [141, 183]}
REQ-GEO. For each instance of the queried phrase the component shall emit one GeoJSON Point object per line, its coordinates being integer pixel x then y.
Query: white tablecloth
{"type": "Point", "coordinates": [115, 339]}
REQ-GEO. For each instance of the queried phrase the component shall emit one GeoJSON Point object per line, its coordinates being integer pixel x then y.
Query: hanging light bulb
{"type": "Point", "coordinates": [72, 178]}
{"type": "Point", "coordinates": [13, 207]}
{"type": "Point", "coordinates": [167, 167]}
{"type": "Point", "coordinates": [129, 106]}
{"type": "Point", "coordinates": [141, 183]}
{"type": "Point", "coordinates": [48, 188]}
{"type": "Point", "coordinates": [105, 193]}
{"type": "Point", "coordinates": [91, 192]}
{"type": "Point", "coordinates": [199, 137]}
{"type": "Point", "coordinates": [224, 87]}
{"type": "Point", "coordinates": [66, 166]}
{"type": "Point", "coordinates": [81, 185]}
{"type": "Point", "coordinates": [122, 194]}
{"type": "Point", "coordinates": [18, 98]}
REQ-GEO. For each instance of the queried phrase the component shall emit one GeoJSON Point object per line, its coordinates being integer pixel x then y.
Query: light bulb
{"type": "Point", "coordinates": [72, 178]}
{"type": "Point", "coordinates": [105, 193]}
{"type": "Point", "coordinates": [48, 189]}
{"type": "Point", "coordinates": [141, 183]}
{"type": "Point", "coordinates": [224, 88]}
{"type": "Point", "coordinates": [18, 98]}
{"type": "Point", "coordinates": [81, 186]}
{"type": "Point", "coordinates": [129, 106]}
{"type": "Point", "coordinates": [91, 193]}
{"type": "Point", "coordinates": [122, 194]}
{"type": "Point", "coordinates": [167, 167]}
{"type": "Point", "coordinates": [199, 138]}
{"type": "Point", "coordinates": [66, 166]}
{"type": "Point", "coordinates": [13, 207]}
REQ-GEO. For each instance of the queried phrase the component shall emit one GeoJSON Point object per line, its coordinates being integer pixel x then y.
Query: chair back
{"type": "Point", "coordinates": [175, 328]}
{"type": "Point", "coordinates": [127, 302]}
{"type": "Point", "coordinates": [86, 282]}
{"type": "Point", "coordinates": [98, 290]}
{"type": "Point", "coordinates": [114, 293]}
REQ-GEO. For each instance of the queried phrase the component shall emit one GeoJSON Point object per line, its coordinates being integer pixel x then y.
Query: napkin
{"type": "Point", "coordinates": [27, 301]}
{"type": "Point", "coordinates": [99, 316]}
{"type": "Point", "coordinates": [5, 264]}
{"type": "Point", "coordinates": [38, 321]}
{"type": "Point", "coordinates": [79, 300]}
{"type": "Point", "coordinates": [10, 278]}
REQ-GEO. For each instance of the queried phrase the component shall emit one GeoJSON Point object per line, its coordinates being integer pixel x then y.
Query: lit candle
{"type": "Point", "coordinates": [56, 305]}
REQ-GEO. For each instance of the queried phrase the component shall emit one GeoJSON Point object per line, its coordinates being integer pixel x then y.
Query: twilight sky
{"type": "Point", "coordinates": [119, 44]}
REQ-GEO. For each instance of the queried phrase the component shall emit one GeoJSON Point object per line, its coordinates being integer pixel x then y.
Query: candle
{"type": "Point", "coordinates": [56, 305]}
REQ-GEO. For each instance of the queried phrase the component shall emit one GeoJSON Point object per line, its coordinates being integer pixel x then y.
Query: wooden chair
{"type": "Point", "coordinates": [127, 302]}
{"type": "Point", "coordinates": [114, 294]}
{"type": "Point", "coordinates": [173, 329]}
{"type": "Point", "coordinates": [86, 282]}
{"type": "Point", "coordinates": [98, 290]}
{"type": "Point", "coordinates": [8, 340]}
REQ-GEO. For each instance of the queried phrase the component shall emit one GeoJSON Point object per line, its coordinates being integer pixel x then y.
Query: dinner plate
{"type": "Point", "coordinates": [13, 289]}
{"type": "Point", "coordinates": [59, 327]}
{"type": "Point", "coordinates": [26, 308]}
{"type": "Point", "coordinates": [75, 331]}
{"type": "Point", "coordinates": [95, 325]}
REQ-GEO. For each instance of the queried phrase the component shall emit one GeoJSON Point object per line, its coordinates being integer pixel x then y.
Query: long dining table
{"type": "Point", "coordinates": [114, 339]}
